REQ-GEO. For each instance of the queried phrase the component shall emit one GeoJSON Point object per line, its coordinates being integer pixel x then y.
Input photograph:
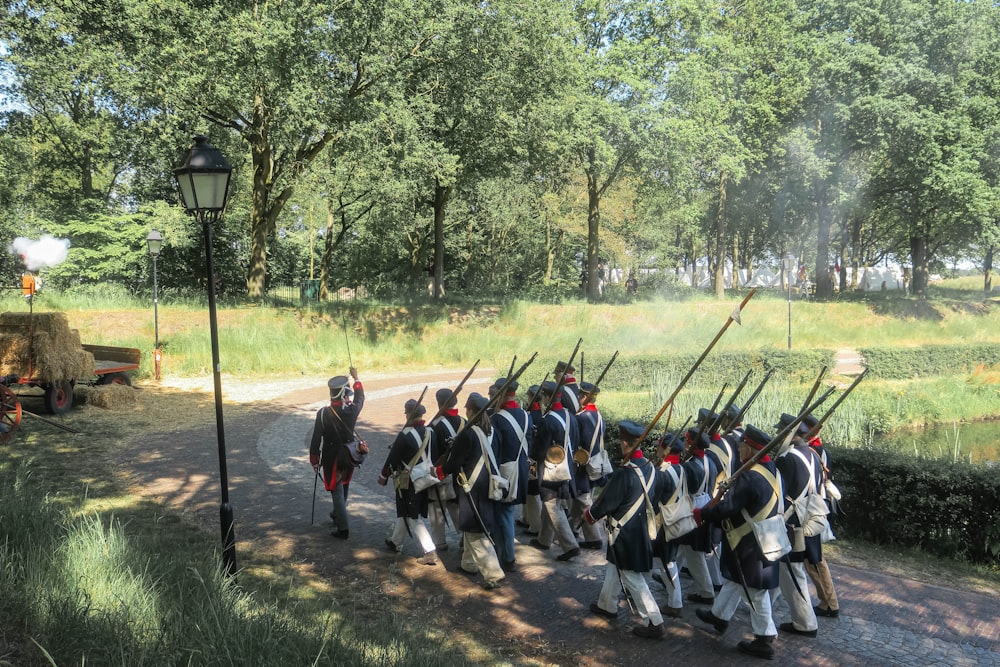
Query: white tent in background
{"type": "Point", "coordinates": [876, 278]}
{"type": "Point", "coordinates": [764, 277]}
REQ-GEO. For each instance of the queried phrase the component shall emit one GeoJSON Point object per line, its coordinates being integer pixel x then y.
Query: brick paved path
{"type": "Point", "coordinates": [541, 611]}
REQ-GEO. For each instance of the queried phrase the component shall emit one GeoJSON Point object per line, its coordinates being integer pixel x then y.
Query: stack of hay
{"type": "Point", "coordinates": [111, 396]}
{"type": "Point", "coordinates": [42, 345]}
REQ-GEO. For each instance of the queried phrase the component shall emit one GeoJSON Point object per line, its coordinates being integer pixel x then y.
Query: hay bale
{"type": "Point", "coordinates": [111, 396]}
{"type": "Point", "coordinates": [43, 346]}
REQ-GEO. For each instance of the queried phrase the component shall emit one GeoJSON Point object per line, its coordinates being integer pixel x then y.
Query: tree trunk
{"type": "Point", "coordinates": [824, 221]}
{"type": "Point", "coordinates": [441, 196]}
{"type": "Point", "coordinates": [324, 266]}
{"type": "Point", "coordinates": [593, 236]}
{"type": "Point", "coordinates": [988, 269]}
{"type": "Point", "coordinates": [720, 239]}
{"type": "Point", "coordinates": [736, 263]}
{"type": "Point", "coordinates": [921, 271]}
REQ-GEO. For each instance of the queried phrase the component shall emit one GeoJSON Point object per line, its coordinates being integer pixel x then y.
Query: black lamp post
{"type": "Point", "coordinates": [204, 184]}
{"type": "Point", "coordinates": [154, 242]}
{"type": "Point", "coordinates": [788, 263]}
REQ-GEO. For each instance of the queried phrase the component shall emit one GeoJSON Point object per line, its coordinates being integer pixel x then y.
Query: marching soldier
{"type": "Point", "coordinates": [468, 462]}
{"type": "Point", "coordinates": [531, 515]}
{"type": "Point", "coordinates": [630, 553]}
{"type": "Point", "coordinates": [328, 452]}
{"type": "Point", "coordinates": [591, 425]}
{"type": "Point", "coordinates": [700, 472]}
{"type": "Point", "coordinates": [442, 497]}
{"type": "Point", "coordinates": [408, 448]}
{"type": "Point", "coordinates": [570, 395]}
{"type": "Point", "coordinates": [748, 577]}
{"type": "Point", "coordinates": [800, 478]}
{"type": "Point", "coordinates": [556, 439]}
{"type": "Point", "coordinates": [819, 572]}
{"type": "Point", "coordinates": [671, 475]}
{"type": "Point", "coordinates": [512, 426]}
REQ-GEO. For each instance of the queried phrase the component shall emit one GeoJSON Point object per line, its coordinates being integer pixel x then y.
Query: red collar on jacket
{"type": "Point", "coordinates": [451, 412]}
{"type": "Point", "coordinates": [590, 407]}
{"type": "Point", "coordinates": [510, 405]}
{"type": "Point", "coordinates": [815, 442]}
{"type": "Point", "coordinates": [556, 406]}
{"type": "Point", "coordinates": [697, 453]}
{"type": "Point", "coordinates": [569, 379]}
{"type": "Point", "coordinates": [637, 454]}
{"type": "Point", "coordinates": [674, 459]}
{"type": "Point", "coordinates": [535, 407]}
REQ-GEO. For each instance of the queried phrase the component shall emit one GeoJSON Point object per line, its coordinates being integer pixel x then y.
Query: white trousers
{"type": "Point", "coordinates": [532, 513]}
{"type": "Point", "coordinates": [555, 525]}
{"type": "Point", "coordinates": [638, 588]}
{"type": "Point", "coordinates": [672, 578]}
{"type": "Point", "coordinates": [698, 567]}
{"type": "Point", "coordinates": [478, 555]}
{"type": "Point", "coordinates": [729, 598]}
{"type": "Point", "coordinates": [579, 505]}
{"type": "Point", "coordinates": [799, 602]}
{"type": "Point", "coordinates": [417, 528]}
{"type": "Point", "coordinates": [437, 520]}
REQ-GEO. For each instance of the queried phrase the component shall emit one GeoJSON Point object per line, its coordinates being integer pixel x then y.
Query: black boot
{"type": "Point", "coordinates": [760, 647]}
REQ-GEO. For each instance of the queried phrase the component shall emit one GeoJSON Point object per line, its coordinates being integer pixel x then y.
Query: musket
{"type": "Point", "coordinates": [343, 318]}
{"type": "Point", "coordinates": [665, 447]}
{"type": "Point", "coordinates": [732, 399]}
{"type": "Point", "coordinates": [581, 367]}
{"type": "Point", "coordinates": [733, 317]}
{"type": "Point", "coordinates": [753, 397]}
{"type": "Point", "coordinates": [777, 441]}
{"type": "Point", "coordinates": [815, 429]}
{"type": "Point", "coordinates": [534, 396]}
{"type": "Point", "coordinates": [815, 388]}
{"type": "Point", "coordinates": [562, 379]}
{"type": "Point", "coordinates": [454, 392]}
{"type": "Point", "coordinates": [604, 372]}
{"type": "Point", "coordinates": [512, 362]}
{"type": "Point", "coordinates": [711, 411]}
{"type": "Point", "coordinates": [496, 398]}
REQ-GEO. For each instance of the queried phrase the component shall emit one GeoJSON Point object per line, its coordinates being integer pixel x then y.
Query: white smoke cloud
{"type": "Point", "coordinates": [45, 252]}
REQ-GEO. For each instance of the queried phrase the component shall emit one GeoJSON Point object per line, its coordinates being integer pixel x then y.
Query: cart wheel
{"type": "Point", "coordinates": [59, 397]}
{"type": "Point", "coordinates": [115, 378]}
{"type": "Point", "coordinates": [10, 412]}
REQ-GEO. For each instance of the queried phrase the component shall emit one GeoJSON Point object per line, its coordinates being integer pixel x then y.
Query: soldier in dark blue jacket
{"type": "Point", "coordinates": [630, 552]}
{"type": "Point", "coordinates": [556, 438]}
{"type": "Point", "coordinates": [748, 577]}
{"type": "Point", "coordinates": [512, 427]}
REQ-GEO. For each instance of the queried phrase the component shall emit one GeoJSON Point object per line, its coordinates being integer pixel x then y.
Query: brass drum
{"type": "Point", "coordinates": [555, 455]}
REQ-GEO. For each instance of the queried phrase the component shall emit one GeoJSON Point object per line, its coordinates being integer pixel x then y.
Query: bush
{"type": "Point", "coordinates": [894, 363]}
{"type": "Point", "coordinates": [946, 508]}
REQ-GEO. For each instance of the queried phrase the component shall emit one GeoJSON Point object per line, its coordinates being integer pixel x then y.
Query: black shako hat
{"type": "Point", "coordinates": [755, 438]}
{"type": "Point", "coordinates": [548, 387]}
{"type": "Point", "coordinates": [511, 388]}
{"type": "Point", "coordinates": [785, 419]}
{"type": "Point", "coordinates": [413, 409]}
{"type": "Point", "coordinates": [810, 420]}
{"type": "Point", "coordinates": [477, 401]}
{"type": "Point", "coordinates": [339, 385]}
{"type": "Point", "coordinates": [563, 367]}
{"type": "Point", "coordinates": [589, 388]}
{"type": "Point", "coordinates": [706, 416]}
{"type": "Point", "coordinates": [630, 430]}
{"type": "Point", "coordinates": [443, 395]}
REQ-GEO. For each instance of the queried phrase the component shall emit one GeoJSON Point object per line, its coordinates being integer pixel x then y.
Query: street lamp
{"type": "Point", "coordinates": [154, 242]}
{"type": "Point", "coordinates": [204, 185]}
{"type": "Point", "coordinates": [788, 263]}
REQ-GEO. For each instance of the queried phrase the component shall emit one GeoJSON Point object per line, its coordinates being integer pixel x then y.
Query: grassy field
{"type": "Point", "coordinates": [93, 574]}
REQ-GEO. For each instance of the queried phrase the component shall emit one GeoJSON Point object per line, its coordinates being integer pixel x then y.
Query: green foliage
{"type": "Point", "coordinates": [951, 509]}
{"type": "Point", "coordinates": [928, 360]}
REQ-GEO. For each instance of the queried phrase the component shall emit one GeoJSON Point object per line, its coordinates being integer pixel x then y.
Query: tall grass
{"type": "Point", "coordinates": [85, 591]}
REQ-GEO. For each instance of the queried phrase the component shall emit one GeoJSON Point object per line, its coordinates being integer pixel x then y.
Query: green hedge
{"type": "Point", "coordinates": [631, 372]}
{"type": "Point", "coordinates": [944, 508]}
{"type": "Point", "coordinates": [912, 362]}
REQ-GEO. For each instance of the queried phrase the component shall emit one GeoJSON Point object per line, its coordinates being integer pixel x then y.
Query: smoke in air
{"type": "Point", "coordinates": [45, 252]}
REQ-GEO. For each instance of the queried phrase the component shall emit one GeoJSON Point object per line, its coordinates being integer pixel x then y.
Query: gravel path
{"type": "Point", "coordinates": [541, 613]}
